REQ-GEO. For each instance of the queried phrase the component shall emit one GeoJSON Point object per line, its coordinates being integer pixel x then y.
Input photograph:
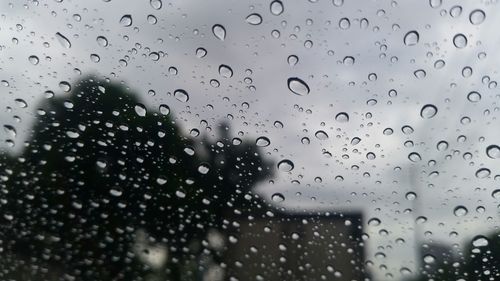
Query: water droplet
{"type": "Point", "coordinates": [102, 41]}
{"type": "Point", "coordinates": [455, 11]}
{"type": "Point", "coordinates": [254, 19]}
{"type": "Point", "coordinates": [477, 17]}
{"type": "Point", "coordinates": [63, 40]}
{"type": "Point", "coordinates": [278, 197]}
{"type": "Point", "coordinates": [429, 259]}
{"type": "Point", "coordinates": [33, 60]}
{"type": "Point", "coordinates": [411, 38]}
{"type": "Point", "coordinates": [442, 145]}
{"type": "Point", "coordinates": [225, 71]}
{"type": "Point", "coordinates": [414, 157]}
{"type": "Point", "coordinates": [116, 192]}
{"type": "Point", "coordinates": [203, 168]}
{"type": "Point", "coordinates": [374, 222]}
{"type": "Point", "coordinates": [439, 64]}
{"type": "Point", "coordinates": [95, 58]}
{"type": "Point", "coordinates": [292, 60]}
{"type": "Point", "coordinates": [388, 131]}
{"type": "Point", "coordinates": [407, 130]}
{"type": "Point", "coordinates": [411, 196]}
{"type": "Point", "coordinates": [276, 7]}
{"type": "Point", "coordinates": [21, 103]}
{"type": "Point", "coordinates": [370, 156]}
{"type": "Point", "coordinates": [337, 3]}
{"type": "Point", "coordinates": [126, 20]}
{"type": "Point", "coordinates": [298, 86]}
{"type": "Point", "coordinates": [152, 19]}
{"type": "Point", "coordinates": [262, 141]}
{"type": "Point", "coordinates": [460, 211]}
{"type": "Point", "coordinates": [496, 194]}
{"type": "Point", "coordinates": [219, 32]}
{"type": "Point", "coordinates": [428, 111]}
{"type": "Point", "coordinates": [348, 60]}
{"type": "Point", "coordinates": [342, 117]}
{"type": "Point", "coordinates": [285, 165]}
{"type": "Point", "coordinates": [355, 141]}
{"type": "Point", "coordinates": [460, 41]}
{"type": "Point", "coordinates": [65, 86]}
{"type": "Point", "coordinates": [435, 3]}
{"type": "Point", "coordinates": [181, 95]}
{"type": "Point", "coordinates": [164, 109]}
{"type": "Point", "coordinates": [201, 52]}
{"type": "Point", "coordinates": [474, 96]}
{"type": "Point", "coordinates": [480, 241]}
{"type": "Point", "coordinates": [483, 173]}
{"type": "Point", "coordinates": [493, 151]}
{"type": "Point", "coordinates": [156, 4]}
{"type": "Point", "coordinates": [467, 72]}
{"type": "Point", "coordinates": [344, 23]}
{"type": "Point", "coordinates": [9, 129]}
{"type": "Point", "coordinates": [140, 109]}
{"type": "Point", "coordinates": [321, 135]}
{"type": "Point", "coordinates": [420, 74]}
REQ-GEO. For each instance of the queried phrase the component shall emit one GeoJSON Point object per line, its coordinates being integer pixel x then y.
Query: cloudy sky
{"type": "Point", "coordinates": [354, 59]}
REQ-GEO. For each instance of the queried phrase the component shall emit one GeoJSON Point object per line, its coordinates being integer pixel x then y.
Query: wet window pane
{"type": "Point", "coordinates": [260, 140]}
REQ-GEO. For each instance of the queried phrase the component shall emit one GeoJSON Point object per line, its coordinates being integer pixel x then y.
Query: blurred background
{"type": "Point", "coordinates": [260, 140]}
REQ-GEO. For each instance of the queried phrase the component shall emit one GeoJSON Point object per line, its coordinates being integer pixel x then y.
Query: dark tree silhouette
{"type": "Point", "coordinates": [98, 169]}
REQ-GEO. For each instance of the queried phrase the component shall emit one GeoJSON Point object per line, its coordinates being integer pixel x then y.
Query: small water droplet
{"type": "Point", "coordinates": [126, 20]}
{"type": "Point", "coordinates": [203, 168]}
{"type": "Point", "coordinates": [344, 23]}
{"type": "Point", "coordinates": [285, 165]}
{"type": "Point", "coordinates": [411, 196]}
{"type": "Point", "coordinates": [474, 96]}
{"type": "Point", "coordinates": [164, 109]}
{"type": "Point", "coordinates": [460, 41]}
{"type": "Point", "coordinates": [496, 194]}
{"type": "Point", "coordinates": [156, 4]}
{"type": "Point", "coordinates": [63, 40]}
{"type": "Point", "coordinates": [298, 86]}
{"type": "Point", "coordinates": [455, 11]}
{"type": "Point", "coordinates": [21, 103]}
{"type": "Point", "coordinates": [254, 19]}
{"type": "Point", "coordinates": [428, 111]}
{"type": "Point", "coordinates": [435, 3]}
{"type": "Point", "coordinates": [181, 95]}
{"type": "Point", "coordinates": [411, 38]}
{"type": "Point", "coordinates": [219, 32]}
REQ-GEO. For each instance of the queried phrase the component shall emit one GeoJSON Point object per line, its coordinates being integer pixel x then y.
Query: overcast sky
{"type": "Point", "coordinates": [314, 32]}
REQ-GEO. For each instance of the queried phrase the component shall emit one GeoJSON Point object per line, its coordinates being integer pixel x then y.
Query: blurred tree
{"type": "Point", "coordinates": [101, 172]}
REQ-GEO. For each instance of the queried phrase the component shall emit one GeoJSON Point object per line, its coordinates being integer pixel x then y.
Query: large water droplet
{"type": "Point", "coordinates": [276, 7]}
{"type": "Point", "coordinates": [474, 96]}
{"type": "Point", "coordinates": [493, 151]}
{"type": "Point", "coordinates": [33, 60]}
{"type": "Point", "coordinates": [460, 211]}
{"type": "Point", "coordinates": [414, 157]}
{"type": "Point", "coordinates": [63, 40]}
{"type": "Point", "coordinates": [254, 19]}
{"type": "Point", "coordinates": [298, 86]}
{"type": "Point", "coordinates": [102, 41]}
{"type": "Point", "coordinates": [411, 38]}
{"type": "Point", "coordinates": [156, 4]}
{"type": "Point", "coordinates": [477, 17]}
{"type": "Point", "coordinates": [435, 3]}
{"type": "Point", "coordinates": [483, 173]}
{"type": "Point", "coordinates": [428, 111]}
{"type": "Point", "coordinates": [285, 165]}
{"type": "Point", "coordinates": [219, 32]}
{"type": "Point", "coordinates": [278, 197]}
{"type": "Point", "coordinates": [164, 109]}
{"type": "Point", "coordinates": [321, 135]}
{"type": "Point", "coordinates": [65, 86]}
{"type": "Point", "coordinates": [342, 117]}
{"type": "Point", "coordinates": [496, 194]}
{"type": "Point", "coordinates": [460, 41]}
{"type": "Point", "coordinates": [126, 20]}
{"type": "Point", "coordinates": [201, 52]}
{"type": "Point", "coordinates": [480, 241]}
{"type": "Point", "coordinates": [262, 141]}
{"type": "Point", "coordinates": [140, 109]}
{"type": "Point", "coordinates": [225, 71]}
{"type": "Point", "coordinates": [181, 95]}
